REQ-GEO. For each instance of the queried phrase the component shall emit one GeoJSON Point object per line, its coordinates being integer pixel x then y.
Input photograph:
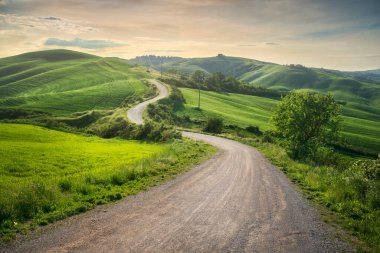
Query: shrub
{"type": "Point", "coordinates": [254, 130]}
{"type": "Point", "coordinates": [156, 132]}
{"type": "Point", "coordinates": [214, 125]}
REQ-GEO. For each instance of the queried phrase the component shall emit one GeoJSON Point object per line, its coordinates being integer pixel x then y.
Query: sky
{"type": "Point", "coordinates": [333, 34]}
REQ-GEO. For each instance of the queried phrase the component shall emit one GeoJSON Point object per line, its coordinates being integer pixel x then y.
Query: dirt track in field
{"type": "Point", "coordinates": [235, 202]}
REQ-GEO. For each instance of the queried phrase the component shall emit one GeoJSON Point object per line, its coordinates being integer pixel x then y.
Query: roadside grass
{"type": "Point", "coordinates": [360, 128]}
{"type": "Point", "coordinates": [46, 175]}
{"type": "Point", "coordinates": [351, 195]}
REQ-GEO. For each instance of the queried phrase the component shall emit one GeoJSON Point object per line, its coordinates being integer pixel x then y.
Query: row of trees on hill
{"type": "Point", "coordinates": [220, 83]}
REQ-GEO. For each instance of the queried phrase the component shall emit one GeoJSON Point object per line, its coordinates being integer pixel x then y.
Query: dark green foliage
{"type": "Point", "coordinates": [65, 185]}
{"type": "Point", "coordinates": [116, 128]}
{"type": "Point", "coordinates": [83, 120]}
{"type": "Point", "coordinates": [220, 83]}
{"type": "Point", "coordinates": [329, 157]}
{"type": "Point", "coordinates": [156, 132]}
{"type": "Point", "coordinates": [164, 110]}
{"type": "Point", "coordinates": [10, 113]}
{"type": "Point", "coordinates": [254, 130]}
{"type": "Point", "coordinates": [199, 77]}
{"type": "Point", "coordinates": [214, 125]}
{"type": "Point", "coordinates": [150, 131]}
{"type": "Point", "coordinates": [306, 121]}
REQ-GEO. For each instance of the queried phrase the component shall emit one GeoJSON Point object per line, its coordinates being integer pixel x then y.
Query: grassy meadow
{"type": "Point", "coordinates": [46, 175]}
{"type": "Point", "coordinates": [61, 82]}
{"type": "Point", "coordinates": [360, 128]}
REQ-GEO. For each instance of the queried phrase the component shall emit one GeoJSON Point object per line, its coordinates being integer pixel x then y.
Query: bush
{"type": "Point", "coordinates": [164, 109]}
{"type": "Point", "coordinates": [214, 125]}
{"type": "Point", "coordinates": [157, 132]}
{"type": "Point", "coordinates": [254, 130]}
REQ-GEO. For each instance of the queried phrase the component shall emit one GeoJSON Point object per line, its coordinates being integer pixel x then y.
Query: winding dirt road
{"type": "Point", "coordinates": [135, 114]}
{"type": "Point", "coordinates": [235, 202]}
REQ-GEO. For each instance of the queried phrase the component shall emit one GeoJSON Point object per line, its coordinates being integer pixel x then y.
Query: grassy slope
{"type": "Point", "coordinates": [46, 175]}
{"type": "Point", "coordinates": [244, 110]}
{"type": "Point", "coordinates": [234, 66]}
{"type": "Point", "coordinates": [62, 82]}
{"type": "Point", "coordinates": [344, 87]}
{"type": "Point", "coordinates": [315, 80]}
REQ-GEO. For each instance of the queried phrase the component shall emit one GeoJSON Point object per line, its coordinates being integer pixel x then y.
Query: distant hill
{"type": "Point", "coordinates": [61, 82]}
{"type": "Point", "coordinates": [359, 94]}
{"type": "Point", "coordinates": [344, 85]}
{"type": "Point", "coordinates": [234, 66]}
{"type": "Point", "coordinates": [368, 75]}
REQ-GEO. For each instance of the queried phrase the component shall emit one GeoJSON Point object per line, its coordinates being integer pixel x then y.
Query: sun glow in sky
{"type": "Point", "coordinates": [337, 34]}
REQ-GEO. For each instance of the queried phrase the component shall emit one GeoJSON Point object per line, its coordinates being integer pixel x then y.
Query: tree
{"type": "Point", "coordinates": [215, 81]}
{"type": "Point", "coordinates": [307, 121]}
{"type": "Point", "coordinates": [199, 77]}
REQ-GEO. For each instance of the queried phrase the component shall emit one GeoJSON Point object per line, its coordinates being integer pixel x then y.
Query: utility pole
{"type": "Point", "coordinates": [199, 96]}
{"type": "Point", "coordinates": [161, 67]}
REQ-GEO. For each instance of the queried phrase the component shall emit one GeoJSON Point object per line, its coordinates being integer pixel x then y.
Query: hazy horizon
{"type": "Point", "coordinates": [342, 35]}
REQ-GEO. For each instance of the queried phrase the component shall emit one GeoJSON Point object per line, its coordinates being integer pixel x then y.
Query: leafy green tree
{"type": "Point", "coordinates": [215, 81]}
{"type": "Point", "coordinates": [307, 121]}
{"type": "Point", "coordinates": [199, 77]}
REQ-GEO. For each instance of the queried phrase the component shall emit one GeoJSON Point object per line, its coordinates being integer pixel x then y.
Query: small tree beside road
{"type": "Point", "coordinates": [307, 121]}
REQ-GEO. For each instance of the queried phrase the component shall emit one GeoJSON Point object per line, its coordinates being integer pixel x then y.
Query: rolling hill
{"type": "Point", "coordinates": [62, 82]}
{"type": "Point", "coordinates": [344, 86]}
{"type": "Point", "coordinates": [359, 94]}
{"type": "Point", "coordinates": [362, 133]}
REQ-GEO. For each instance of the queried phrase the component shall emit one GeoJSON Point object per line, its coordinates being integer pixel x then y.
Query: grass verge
{"type": "Point", "coordinates": [349, 197]}
{"type": "Point", "coordinates": [48, 175]}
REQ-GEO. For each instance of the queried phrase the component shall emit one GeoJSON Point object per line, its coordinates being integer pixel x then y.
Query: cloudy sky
{"type": "Point", "coordinates": [338, 34]}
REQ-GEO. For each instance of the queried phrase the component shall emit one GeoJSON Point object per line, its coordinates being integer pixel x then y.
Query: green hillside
{"type": "Point", "coordinates": [345, 87]}
{"type": "Point", "coordinates": [315, 80]}
{"type": "Point", "coordinates": [234, 66]}
{"type": "Point", "coordinates": [360, 96]}
{"type": "Point", "coordinates": [243, 110]}
{"type": "Point", "coordinates": [62, 82]}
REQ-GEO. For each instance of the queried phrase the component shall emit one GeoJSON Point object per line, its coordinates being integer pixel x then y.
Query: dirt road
{"type": "Point", "coordinates": [235, 202]}
{"type": "Point", "coordinates": [135, 114]}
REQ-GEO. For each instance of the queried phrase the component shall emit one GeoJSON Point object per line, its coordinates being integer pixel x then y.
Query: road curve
{"type": "Point", "coordinates": [135, 114]}
{"type": "Point", "coordinates": [234, 202]}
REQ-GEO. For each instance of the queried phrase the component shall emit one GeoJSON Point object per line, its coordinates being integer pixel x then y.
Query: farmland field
{"type": "Point", "coordinates": [46, 175]}
{"type": "Point", "coordinates": [360, 128]}
{"type": "Point", "coordinates": [62, 82]}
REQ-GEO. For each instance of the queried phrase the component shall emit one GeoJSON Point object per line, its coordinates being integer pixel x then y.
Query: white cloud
{"type": "Point", "coordinates": [44, 23]}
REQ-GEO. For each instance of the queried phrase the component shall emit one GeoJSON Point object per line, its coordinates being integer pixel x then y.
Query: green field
{"type": "Point", "coordinates": [362, 131]}
{"type": "Point", "coordinates": [357, 92]}
{"type": "Point", "coordinates": [62, 82]}
{"type": "Point", "coordinates": [46, 175]}
{"type": "Point", "coordinates": [275, 76]}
